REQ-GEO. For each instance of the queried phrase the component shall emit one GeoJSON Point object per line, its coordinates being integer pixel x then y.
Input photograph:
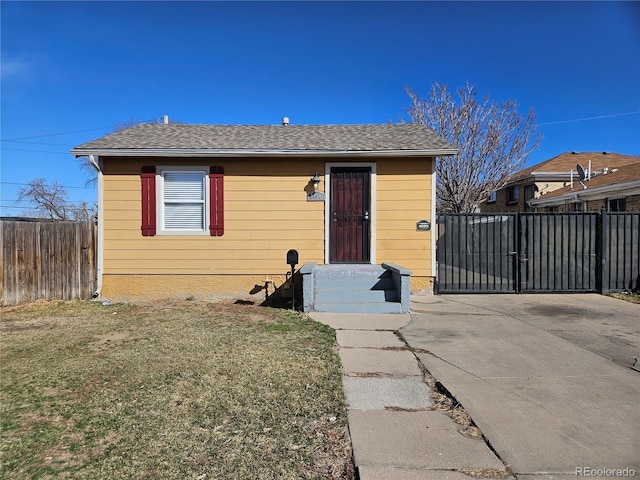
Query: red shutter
{"type": "Point", "coordinates": [148, 180]}
{"type": "Point", "coordinates": [216, 203]}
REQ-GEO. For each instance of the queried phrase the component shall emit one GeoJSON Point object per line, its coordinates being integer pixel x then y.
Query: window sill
{"type": "Point", "coordinates": [184, 233]}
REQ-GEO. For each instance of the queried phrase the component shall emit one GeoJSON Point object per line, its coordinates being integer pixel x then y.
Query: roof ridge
{"type": "Point", "coordinates": [213, 125]}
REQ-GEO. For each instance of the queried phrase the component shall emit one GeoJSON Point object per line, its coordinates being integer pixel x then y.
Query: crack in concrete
{"type": "Point", "coordinates": [442, 390]}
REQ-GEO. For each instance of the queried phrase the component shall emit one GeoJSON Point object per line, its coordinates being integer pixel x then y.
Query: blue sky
{"type": "Point", "coordinates": [84, 66]}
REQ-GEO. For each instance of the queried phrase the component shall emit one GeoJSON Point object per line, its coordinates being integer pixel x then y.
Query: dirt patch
{"type": "Point", "coordinates": [109, 339]}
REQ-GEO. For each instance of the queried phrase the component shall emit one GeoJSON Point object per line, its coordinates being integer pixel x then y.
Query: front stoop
{"type": "Point", "coordinates": [350, 288]}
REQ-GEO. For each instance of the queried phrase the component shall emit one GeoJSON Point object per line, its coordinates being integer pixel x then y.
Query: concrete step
{"type": "Point", "coordinates": [355, 288]}
{"type": "Point", "coordinates": [355, 283]}
{"type": "Point", "coordinates": [351, 271]}
{"type": "Point", "coordinates": [358, 296]}
{"type": "Point", "coordinates": [367, 307]}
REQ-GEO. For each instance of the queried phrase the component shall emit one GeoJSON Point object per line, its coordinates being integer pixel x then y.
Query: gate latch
{"type": "Point", "coordinates": [515, 254]}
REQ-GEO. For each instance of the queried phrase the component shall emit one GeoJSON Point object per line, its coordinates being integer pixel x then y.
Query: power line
{"type": "Point", "coordinates": [591, 118]}
{"type": "Point", "coordinates": [27, 184]}
{"type": "Point", "coordinates": [41, 143]}
{"type": "Point", "coordinates": [53, 134]}
{"type": "Point", "coordinates": [18, 208]}
{"type": "Point", "coordinates": [35, 151]}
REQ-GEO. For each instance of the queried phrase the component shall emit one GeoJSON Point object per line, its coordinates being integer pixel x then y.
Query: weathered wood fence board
{"type": "Point", "coordinates": [47, 260]}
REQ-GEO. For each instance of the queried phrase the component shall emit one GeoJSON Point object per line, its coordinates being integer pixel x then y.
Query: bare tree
{"type": "Point", "coordinates": [90, 171]}
{"type": "Point", "coordinates": [493, 140]}
{"type": "Point", "coordinates": [51, 201]}
{"type": "Point", "coordinates": [132, 122]}
{"type": "Point", "coordinates": [85, 162]}
{"type": "Point", "coordinates": [83, 212]}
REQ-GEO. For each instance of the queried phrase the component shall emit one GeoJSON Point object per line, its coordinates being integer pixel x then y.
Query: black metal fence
{"type": "Point", "coordinates": [620, 245]}
{"type": "Point", "coordinates": [538, 252]}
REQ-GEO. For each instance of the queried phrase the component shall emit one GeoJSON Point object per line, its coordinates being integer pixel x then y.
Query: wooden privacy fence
{"type": "Point", "coordinates": [47, 260]}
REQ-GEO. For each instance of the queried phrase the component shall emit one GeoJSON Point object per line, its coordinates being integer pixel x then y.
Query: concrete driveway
{"type": "Point", "coordinates": [547, 378]}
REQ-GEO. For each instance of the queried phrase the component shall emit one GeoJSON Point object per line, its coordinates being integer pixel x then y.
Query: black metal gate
{"type": "Point", "coordinates": [538, 252]}
{"type": "Point", "coordinates": [475, 253]}
{"type": "Point", "coordinates": [621, 251]}
{"type": "Point", "coordinates": [558, 252]}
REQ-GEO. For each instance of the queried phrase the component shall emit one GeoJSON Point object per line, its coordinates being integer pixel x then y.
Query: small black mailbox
{"type": "Point", "coordinates": [292, 261]}
{"type": "Point", "coordinates": [292, 257]}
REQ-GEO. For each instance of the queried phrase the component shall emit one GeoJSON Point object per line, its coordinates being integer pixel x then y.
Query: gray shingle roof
{"type": "Point", "coordinates": [266, 138]}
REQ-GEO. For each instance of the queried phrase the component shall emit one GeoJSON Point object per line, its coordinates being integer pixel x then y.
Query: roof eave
{"type": "Point", "coordinates": [177, 152]}
{"type": "Point", "coordinates": [596, 193]}
{"type": "Point", "coordinates": [542, 177]}
{"type": "Point", "coordinates": [553, 175]}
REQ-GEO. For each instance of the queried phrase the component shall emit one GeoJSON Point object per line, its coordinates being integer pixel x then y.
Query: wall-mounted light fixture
{"type": "Point", "coordinates": [315, 181]}
{"type": "Point", "coordinates": [314, 194]}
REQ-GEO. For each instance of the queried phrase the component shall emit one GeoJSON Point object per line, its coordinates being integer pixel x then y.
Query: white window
{"type": "Point", "coordinates": [182, 200]}
{"type": "Point", "coordinates": [492, 197]}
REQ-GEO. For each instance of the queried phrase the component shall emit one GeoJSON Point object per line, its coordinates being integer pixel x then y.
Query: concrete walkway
{"type": "Point", "coordinates": [396, 432]}
{"type": "Point", "coordinates": [548, 379]}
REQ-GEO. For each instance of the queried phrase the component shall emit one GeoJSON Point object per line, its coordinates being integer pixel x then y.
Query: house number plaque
{"type": "Point", "coordinates": [423, 225]}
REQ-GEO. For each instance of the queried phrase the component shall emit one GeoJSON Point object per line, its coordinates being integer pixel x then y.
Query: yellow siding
{"type": "Point", "coordinates": [403, 198]}
{"type": "Point", "coordinates": [422, 285]}
{"type": "Point", "coordinates": [214, 287]}
{"type": "Point", "coordinates": [266, 214]}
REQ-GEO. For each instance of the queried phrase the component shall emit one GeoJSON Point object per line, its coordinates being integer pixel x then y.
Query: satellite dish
{"type": "Point", "coordinates": [581, 172]}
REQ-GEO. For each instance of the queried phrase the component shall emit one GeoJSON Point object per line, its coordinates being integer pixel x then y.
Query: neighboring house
{"type": "Point", "coordinates": [612, 190]}
{"type": "Point", "coordinates": [539, 180]}
{"type": "Point", "coordinates": [213, 209]}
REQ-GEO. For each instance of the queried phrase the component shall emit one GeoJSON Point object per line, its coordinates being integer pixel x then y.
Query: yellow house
{"type": "Point", "coordinates": [212, 210]}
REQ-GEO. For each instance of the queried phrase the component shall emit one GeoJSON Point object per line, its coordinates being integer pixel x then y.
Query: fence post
{"type": "Point", "coordinates": [602, 240]}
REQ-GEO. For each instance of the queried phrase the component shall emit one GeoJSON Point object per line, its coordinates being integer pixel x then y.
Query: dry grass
{"type": "Point", "coordinates": [445, 404]}
{"type": "Point", "coordinates": [485, 473]}
{"type": "Point", "coordinates": [184, 390]}
{"type": "Point", "coordinates": [453, 410]}
{"type": "Point", "coordinates": [632, 297]}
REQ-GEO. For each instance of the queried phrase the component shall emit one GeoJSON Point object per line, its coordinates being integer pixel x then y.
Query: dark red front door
{"type": "Point", "coordinates": [350, 211]}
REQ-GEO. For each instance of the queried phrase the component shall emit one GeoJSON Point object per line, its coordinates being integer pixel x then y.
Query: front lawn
{"type": "Point", "coordinates": [170, 390]}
